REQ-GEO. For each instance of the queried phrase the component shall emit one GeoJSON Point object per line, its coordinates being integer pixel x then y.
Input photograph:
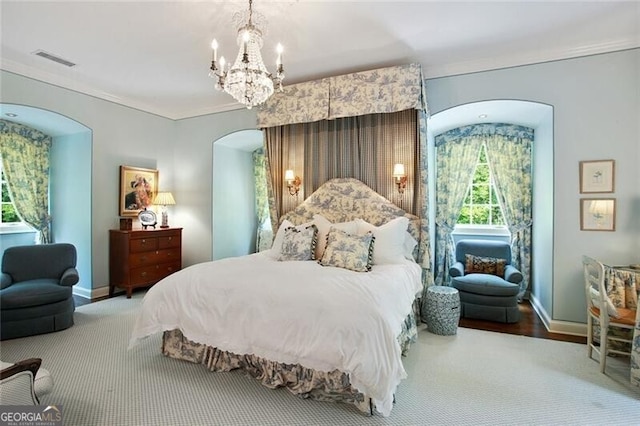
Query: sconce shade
{"type": "Point", "coordinates": [289, 175]}
{"type": "Point", "coordinates": [398, 170]}
{"type": "Point", "coordinates": [164, 199]}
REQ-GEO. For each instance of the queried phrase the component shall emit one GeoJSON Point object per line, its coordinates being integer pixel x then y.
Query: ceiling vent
{"type": "Point", "coordinates": [54, 58]}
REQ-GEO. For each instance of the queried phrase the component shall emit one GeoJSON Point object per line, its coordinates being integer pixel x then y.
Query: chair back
{"type": "Point", "coordinates": [595, 288]}
{"type": "Point", "coordinates": [32, 262]}
{"type": "Point", "coordinates": [483, 248]}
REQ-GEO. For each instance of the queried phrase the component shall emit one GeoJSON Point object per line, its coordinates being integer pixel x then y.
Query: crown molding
{"type": "Point", "coordinates": [528, 58]}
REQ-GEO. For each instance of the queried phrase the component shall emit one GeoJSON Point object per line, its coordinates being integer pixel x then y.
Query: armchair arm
{"type": "Point", "coordinates": [456, 270]}
{"type": "Point", "coordinates": [512, 275]}
{"type": "Point", "coordinates": [31, 364]}
{"type": "Point", "coordinates": [69, 277]}
{"type": "Point", "coordinates": [6, 281]}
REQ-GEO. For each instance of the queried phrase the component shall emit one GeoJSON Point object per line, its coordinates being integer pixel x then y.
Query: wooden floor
{"type": "Point", "coordinates": [530, 323]}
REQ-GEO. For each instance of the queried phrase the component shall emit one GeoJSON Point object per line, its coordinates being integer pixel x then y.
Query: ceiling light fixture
{"type": "Point", "coordinates": [247, 80]}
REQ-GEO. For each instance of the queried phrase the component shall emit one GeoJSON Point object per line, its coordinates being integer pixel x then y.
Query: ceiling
{"type": "Point", "coordinates": [154, 55]}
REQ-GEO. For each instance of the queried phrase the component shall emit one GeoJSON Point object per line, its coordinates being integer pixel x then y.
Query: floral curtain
{"type": "Point", "coordinates": [25, 160]}
{"type": "Point", "coordinates": [264, 235]}
{"type": "Point", "coordinates": [377, 91]}
{"type": "Point", "coordinates": [509, 157]}
{"type": "Point", "coordinates": [456, 159]}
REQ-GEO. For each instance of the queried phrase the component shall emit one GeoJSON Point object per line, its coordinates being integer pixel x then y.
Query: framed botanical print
{"type": "Point", "coordinates": [597, 214]}
{"type": "Point", "coordinates": [597, 176]}
{"type": "Point", "coordinates": [138, 187]}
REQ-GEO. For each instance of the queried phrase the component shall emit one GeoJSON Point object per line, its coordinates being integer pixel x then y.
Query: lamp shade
{"type": "Point", "coordinates": [398, 170]}
{"type": "Point", "coordinates": [288, 175]}
{"type": "Point", "coordinates": [164, 199]}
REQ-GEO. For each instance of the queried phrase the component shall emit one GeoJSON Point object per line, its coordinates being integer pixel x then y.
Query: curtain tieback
{"type": "Point", "coordinates": [520, 227]}
{"type": "Point", "coordinates": [445, 226]}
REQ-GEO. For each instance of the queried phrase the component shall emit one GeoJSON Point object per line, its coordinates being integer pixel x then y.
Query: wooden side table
{"type": "Point", "coordinates": [141, 258]}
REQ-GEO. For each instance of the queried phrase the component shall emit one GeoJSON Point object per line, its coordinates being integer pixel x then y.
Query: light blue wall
{"type": "Point", "coordinates": [180, 150]}
{"type": "Point", "coordinates": [596, 109]}
{"type": "Point", "coordinates": [70, 207]}
{"type": "Point", "coordinates": [234, 201]}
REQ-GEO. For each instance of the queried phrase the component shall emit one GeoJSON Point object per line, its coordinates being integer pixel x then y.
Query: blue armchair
{"type": "Point", "coordinates": [35, 291]}
{"type": "Point", "coordinates": [487, 282]}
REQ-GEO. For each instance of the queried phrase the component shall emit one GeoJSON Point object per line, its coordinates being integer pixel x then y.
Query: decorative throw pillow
{"type": "Point", "coordinates": [390, 239]}
{"type": "Point", "coordinates": [324, 226]}
{"type": "Point", "coordinates": [353, 252]}
{"type": "Point", "coordinates": [484, 265]}
{"type": "Point", "coordinates": [276, 246]}
{"type": "Point", "coordinates": [299, 244]}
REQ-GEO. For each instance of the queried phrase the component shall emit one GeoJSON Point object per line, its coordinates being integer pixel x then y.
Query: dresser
{"type": "Point", "coordinates": [140, 258]}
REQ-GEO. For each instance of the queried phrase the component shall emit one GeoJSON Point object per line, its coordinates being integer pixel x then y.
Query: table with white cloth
{"type": "Point", "coordinates": [623, 288]}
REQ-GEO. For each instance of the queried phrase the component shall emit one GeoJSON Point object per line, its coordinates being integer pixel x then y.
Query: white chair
{"type": "Point", "coordinates": [601, 309]}
{"type": "Point", "coordinates": [24, 382]}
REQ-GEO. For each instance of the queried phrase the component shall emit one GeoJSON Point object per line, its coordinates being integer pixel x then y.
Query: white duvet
{"type": "Point", "coordinates": [320, 317]}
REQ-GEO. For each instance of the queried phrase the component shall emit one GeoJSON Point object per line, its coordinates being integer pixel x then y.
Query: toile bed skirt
{"type": "Point", "coordinates": [301, 381]}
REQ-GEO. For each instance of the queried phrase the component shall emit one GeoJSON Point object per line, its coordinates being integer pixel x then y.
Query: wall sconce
{"type": "Point", "coordinates": [400, 177]}
{"type": "Point", "coordinates": [293, 182]}
{"type": "Point", "coordinates": [164, 199]}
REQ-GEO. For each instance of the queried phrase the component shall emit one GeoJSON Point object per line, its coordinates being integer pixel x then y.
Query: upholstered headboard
{"type": "Point", "coordinates": [345, 199]}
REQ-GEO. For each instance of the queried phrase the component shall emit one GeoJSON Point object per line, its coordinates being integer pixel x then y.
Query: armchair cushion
{"type": "Point", "coordinates": [485, 284]}
{"type": "Point", "coordinates": [484, 265]}
{"type": "Point", "coordinates": [33, 293]}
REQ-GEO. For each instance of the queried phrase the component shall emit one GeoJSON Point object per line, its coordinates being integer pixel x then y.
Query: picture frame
{"type": "Point", "coordinates": [597, 214]}
{"type": "Point", "coordinates": [138, 187]}
{"type": "Point", "coordinates": [597, 176]}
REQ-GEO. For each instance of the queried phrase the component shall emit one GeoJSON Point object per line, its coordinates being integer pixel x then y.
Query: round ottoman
{"type": "Point", "coordinates": [442, 306]}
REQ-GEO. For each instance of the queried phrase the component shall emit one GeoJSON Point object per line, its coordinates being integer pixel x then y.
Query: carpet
{"type": "Point", "coordinates": [475, 377]}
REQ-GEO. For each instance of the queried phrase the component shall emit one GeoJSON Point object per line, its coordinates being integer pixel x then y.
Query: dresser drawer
{"type": "Point", "coordinates": [143, 244]}
{"type": "Point", "coordinates": [169, 240]}
{"type": "Point", "coordinates": [154, 257]}
{"type": "Point", "coordinates": [153, 273]}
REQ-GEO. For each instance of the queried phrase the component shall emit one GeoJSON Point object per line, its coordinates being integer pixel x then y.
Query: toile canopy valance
{"type": "Point", "coordinates": [384, 90]}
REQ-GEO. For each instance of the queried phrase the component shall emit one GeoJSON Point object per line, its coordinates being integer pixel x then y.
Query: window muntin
{"type": "Point", "coordinates": [480, 207]}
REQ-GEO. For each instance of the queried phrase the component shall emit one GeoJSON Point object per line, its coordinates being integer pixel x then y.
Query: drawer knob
{"type": "Point", "coordinates": [144, 274]}
{"type": "Point", "coordinates": [144, 241]}
{"type": "Point", "coordinates": [170, 238]}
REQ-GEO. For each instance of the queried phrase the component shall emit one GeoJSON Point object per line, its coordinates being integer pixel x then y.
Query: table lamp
{"type": "Point", "coordinates": [164, 199]}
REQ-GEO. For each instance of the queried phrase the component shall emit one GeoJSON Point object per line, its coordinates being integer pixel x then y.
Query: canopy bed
{"type": "Point", "coordinates": [327, 329]}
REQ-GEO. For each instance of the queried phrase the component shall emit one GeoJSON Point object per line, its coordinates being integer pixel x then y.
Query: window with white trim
{"type": "Point", "coordinates": [10, 221]}
{"type": "Point", "coordinates": [481, 208]}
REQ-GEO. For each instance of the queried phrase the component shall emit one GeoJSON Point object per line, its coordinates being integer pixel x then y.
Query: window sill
{"type": "Point", "coordinates": [481, 230]}
{"type": "Point", "coordinates": [15, 228]}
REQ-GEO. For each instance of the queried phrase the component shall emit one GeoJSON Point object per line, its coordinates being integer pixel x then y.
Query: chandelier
{"type": "Point", "coordinates": [247, 80]}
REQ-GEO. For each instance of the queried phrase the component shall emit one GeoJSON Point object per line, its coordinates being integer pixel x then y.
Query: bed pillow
{"type": "Point", "coordinates": [276, 246]}
{"type": "Point", "coordinates": [410, 244]}
{"type": "Point", "coordinates": [299, 244]}
{"type": "Point", "coordinates": [390, 240]}
{"type": "Point", "coordinates": [484, 265]}
{"type": "Point", "coordinates": [353, 252]}
{"type": "Point", "coordinates": [324, 226]}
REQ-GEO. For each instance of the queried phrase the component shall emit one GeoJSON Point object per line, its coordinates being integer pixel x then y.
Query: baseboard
{"type": "Point", "coordinates": [94, 293]}
{"type": "Point", "coordinates": [554, 326]}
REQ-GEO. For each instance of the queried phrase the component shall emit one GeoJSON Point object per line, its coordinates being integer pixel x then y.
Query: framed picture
{"type": "Point", "coordinates": [596, 176]}
{"type": "Point", "coordinates": [597, 214]}
{"type": "Point", "coordinates": [138, 187]}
